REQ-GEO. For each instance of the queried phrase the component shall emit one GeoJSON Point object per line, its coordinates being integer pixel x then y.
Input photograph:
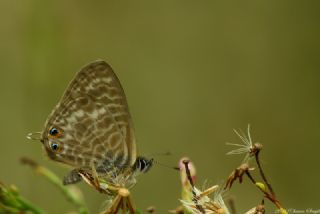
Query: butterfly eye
{"type": "Point", "coordinates": [54, 146]}
{"type": "Point", "coordinates": [53, 131]}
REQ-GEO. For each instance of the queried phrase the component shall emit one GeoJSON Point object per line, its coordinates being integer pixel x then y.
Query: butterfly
{"type": "Point", "coordinates": [91, 129]}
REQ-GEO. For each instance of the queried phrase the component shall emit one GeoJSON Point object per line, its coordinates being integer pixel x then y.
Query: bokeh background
{"type": "Point", "coordinates": [192, 71]}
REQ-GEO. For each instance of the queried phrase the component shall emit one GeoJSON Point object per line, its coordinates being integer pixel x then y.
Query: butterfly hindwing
{"type": "Point", "coordinates": [92, 121]}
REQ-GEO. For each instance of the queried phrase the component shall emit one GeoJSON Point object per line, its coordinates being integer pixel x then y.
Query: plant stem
{"type": "Point", "coordinates": [72, 196]}
{"type": "Point", "coordinates": [28, 205]}
{"type": "Point", "coordinates": [263, 175]}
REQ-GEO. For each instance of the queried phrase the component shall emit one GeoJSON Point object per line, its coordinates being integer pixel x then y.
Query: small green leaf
{"type": "Point", "coordinates": [283, 211]}
{"type": "Point", "coordinates": [261, 186]}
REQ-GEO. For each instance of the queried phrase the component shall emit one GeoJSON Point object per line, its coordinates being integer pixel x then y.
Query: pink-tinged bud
{"type": "Point", "coordinates": [188, 178]}
{"type": "Point", "coordinates": [183, 172]}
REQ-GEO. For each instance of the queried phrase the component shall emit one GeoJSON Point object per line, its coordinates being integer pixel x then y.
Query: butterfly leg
{"type": "Point", "coordinates": [73, 177]}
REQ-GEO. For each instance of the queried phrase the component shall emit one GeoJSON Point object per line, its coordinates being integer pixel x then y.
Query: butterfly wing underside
{"type": "Point", "coordinates": [94, 123]}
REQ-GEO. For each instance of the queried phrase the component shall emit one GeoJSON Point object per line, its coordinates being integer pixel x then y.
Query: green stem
{"type": "Point", "coordinates": [71, 195]}
{"type": "Point", "coordinates": [27, 205]}
{"type": "Point", "coordinates": [12, 202]}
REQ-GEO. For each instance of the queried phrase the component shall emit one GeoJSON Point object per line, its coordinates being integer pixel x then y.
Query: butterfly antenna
{"type": "Point", "coordinates": [167, 153]}
{"type": "Point", "coordinates": [166, 166]}
{"type": "Point", "coordinates": [160, 154]}
{"type": "Point", "coordinates": [34, 136]}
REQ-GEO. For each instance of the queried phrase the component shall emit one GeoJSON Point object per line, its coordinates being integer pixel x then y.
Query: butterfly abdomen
{"type": "Point", "coordinates": [142, 165]}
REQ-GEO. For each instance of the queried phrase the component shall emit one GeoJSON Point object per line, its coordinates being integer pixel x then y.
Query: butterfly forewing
{"type": "Point", "coordinates": [91, 125]}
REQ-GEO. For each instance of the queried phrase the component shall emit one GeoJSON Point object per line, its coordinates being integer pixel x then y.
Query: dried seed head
{"type": "Point", "coordinates": [256, 148]}
{"type": "Point", "coordinates": [247, 148]}
{"type": "Point", "coordinates": [151, 210]}
{"type": "Point", "coordinates": [237, 174]}
{"type": "Point", "coordinates": [244, 167]}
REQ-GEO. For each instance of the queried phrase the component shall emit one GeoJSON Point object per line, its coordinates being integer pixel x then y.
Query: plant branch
{"type": "Point", "coordinates": [72, 196]}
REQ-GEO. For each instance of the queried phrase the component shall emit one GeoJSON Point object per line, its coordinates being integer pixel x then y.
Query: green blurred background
{"type": "Point", "coordinates": [192, 71]}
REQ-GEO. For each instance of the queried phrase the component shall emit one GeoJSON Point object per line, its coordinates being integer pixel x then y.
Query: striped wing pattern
{"type": "Point", "coordinates": [93, 123]}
